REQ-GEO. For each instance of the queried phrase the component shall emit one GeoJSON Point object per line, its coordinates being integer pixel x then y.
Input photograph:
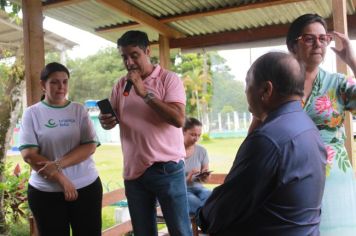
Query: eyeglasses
{"type": "Point", "coordinates": [310, 39]}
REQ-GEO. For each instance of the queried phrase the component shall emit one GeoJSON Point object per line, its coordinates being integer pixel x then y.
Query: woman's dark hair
{"type": "Point", "coordinates": [51, 68]}
{"type": "Point", "coordinates": [297, 26]}
{"type": "Point", "coordinates": [190, 122]}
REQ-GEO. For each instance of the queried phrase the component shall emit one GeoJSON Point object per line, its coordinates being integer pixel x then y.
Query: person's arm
{"type": "Point", "coordinates": [204, 166]}
{"type": "Point", "coordinates": [172, 112]}
{"type": "Point", "coordinates": [32, 157]}
{"type": "Point", "coordinates": [75, 156]}
{"type": "Point", "coordinates": [346, 52]}
{"type": "Point", "coordinates": [37, 162]}
{"type": "Point", "coordinates": [248, 184]}
{"type": "Point", "coordinates": [190, 176]}
{"type": "Point", "coordinates": [347, 93]}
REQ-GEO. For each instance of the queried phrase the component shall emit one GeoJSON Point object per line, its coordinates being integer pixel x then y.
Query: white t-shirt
{"type": "Point", "coordinates": [56, 131]}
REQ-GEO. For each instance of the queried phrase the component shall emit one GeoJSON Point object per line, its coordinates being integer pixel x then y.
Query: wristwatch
{"type": "Point", "coordinates": [148, 97]}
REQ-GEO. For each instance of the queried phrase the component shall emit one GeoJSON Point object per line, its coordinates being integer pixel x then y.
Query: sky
{"type": "Point", "coordinates": [239, 60]}
{"type": "Point", "coordinates": [88, 43]}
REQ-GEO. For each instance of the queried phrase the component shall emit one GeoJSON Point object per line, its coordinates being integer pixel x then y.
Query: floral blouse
{"type": "Point", "coordinates": [331, 95]}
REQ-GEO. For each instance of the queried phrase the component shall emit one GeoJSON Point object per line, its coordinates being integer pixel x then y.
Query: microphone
{"type": "Point", "coordinates": [127, 88]}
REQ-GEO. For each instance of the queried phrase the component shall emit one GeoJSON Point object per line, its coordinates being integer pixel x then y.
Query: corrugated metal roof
{"type": "Point", "coordinates": [225, 15]}
{"type": "Point", "coordinates": [11, 36]}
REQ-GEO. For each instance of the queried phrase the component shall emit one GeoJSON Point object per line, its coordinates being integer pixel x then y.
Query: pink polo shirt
{"type": "Point", "coordinates": [145, 137]}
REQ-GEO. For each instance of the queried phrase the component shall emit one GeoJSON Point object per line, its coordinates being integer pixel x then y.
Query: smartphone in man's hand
{"type": "Point", "coordinates": [106, 108]}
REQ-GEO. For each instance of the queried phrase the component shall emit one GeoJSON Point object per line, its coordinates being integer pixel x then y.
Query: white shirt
{"type": "Point", "coordinates": [56, 131]}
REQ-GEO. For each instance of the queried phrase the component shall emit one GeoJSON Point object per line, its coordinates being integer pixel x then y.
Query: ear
{"type": "Point", "coordinates": [43, 84]}
{"type": "Point", "coordinates": [268, 90]}
{"type": "Point", "coordinates": [148, 51]}
{"type": "Point", "coordinates": [293, 49]}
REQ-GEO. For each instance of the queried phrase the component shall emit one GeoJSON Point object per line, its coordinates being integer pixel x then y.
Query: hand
{"type": "Point", "coordinates": [47, 170]}
{"type": "Point", "coordinates": [191, 176]}
{"type": "Point", "coordinates": [204, 176]}
{"type": "Point", "coordinates": [69, 191]}
{"type": "Point", "coordinates": [135, 77]}
{"type": "Point", "coordinates": [346, 52]}
{"type": "Point", "coordinates": [107, 121]}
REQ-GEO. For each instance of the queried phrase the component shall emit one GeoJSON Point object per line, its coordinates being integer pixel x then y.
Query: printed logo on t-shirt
{"type": "Point", "coordinates": [51, 124]}
{"type": "Point", "coordinates": [62, 123]}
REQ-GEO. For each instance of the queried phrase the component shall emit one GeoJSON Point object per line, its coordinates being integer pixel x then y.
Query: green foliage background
{"type": "Point", "coordinates": [93, 78]}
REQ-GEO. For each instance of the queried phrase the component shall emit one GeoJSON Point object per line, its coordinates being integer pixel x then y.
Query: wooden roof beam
{"type": "Point", "coordinates": [141, 17]}
{"type": "Point", "coordinates": [49, 4]}
{"type": "Point", "coordinates": [192, 15]}
{"type": "Point", "coordinates": [245, 7]}
{"type": "Point", "coordinates": [354, 2]}
{"type": "Point", "coordinates": [231, 37]}
{"type": "Point", "coordinates": [243, 36]}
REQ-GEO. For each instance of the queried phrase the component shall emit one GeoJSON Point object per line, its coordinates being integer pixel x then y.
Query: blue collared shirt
{"type": "Point", "coordinates": [276, 183]}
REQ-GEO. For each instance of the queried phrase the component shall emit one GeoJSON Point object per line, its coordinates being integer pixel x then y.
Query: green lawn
{"type": "Point", "coordinates": [109, 163]}
{"type": "Point", "coordinates": [108, 158]}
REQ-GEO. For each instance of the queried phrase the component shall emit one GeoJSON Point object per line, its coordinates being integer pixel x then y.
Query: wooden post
{"type": "Point", "coordinates": [34, 59]}
{"type": "Point", "coordinates": [340, 25]}
{"type": "Point", "coordinates": [164, 59]}
{"type": "Point", "coordinates": [33, 48]}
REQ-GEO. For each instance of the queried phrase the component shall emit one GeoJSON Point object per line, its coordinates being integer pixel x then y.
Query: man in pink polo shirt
{"type": "Point", "coordinates": [150, 120]}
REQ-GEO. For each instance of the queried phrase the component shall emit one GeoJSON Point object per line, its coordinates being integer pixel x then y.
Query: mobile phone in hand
{"type": "Point", "coordinates": [202, 174]}
{"type": "Point", "coordinates": [106, 108]}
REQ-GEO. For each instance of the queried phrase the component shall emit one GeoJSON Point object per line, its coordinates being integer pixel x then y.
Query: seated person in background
{"type": "Point", "coordinates": [276, 183]}
{"type": "Point", "coordinates": [196, 162]}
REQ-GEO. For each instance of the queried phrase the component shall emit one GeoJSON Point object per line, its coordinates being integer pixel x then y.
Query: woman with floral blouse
{"type": "Point", "coordinates": [326, 98]}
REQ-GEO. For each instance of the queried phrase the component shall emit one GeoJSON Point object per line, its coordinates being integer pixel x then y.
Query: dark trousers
{"type": "Point", "coordinates": [55, 216]}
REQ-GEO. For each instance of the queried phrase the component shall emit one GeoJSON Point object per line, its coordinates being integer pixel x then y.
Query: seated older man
{"type": "Point", "coordinates": [276, 183]}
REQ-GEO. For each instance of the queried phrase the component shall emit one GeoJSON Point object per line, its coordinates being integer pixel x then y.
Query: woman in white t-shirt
{"type": "Point", "coordinates": [57, 140]}
{"type": "Point", "coordinates": [196, 162]}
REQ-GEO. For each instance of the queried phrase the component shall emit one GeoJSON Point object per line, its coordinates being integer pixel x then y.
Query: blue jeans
{"type": "Point", "coordinates": [197, 195]}
{"type": "Point", "coordinates": [164, 181]}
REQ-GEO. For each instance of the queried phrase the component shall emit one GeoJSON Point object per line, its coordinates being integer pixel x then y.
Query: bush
{"type": "Point", "coordinates": [14, 187]}
{"type": "Point", "coordinates": [20, 229]}
{"type": "Point", "coordinates": [205, 137]}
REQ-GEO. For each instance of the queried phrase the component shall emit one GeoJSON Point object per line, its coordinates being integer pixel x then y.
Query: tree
{"type": "Point", "coordinates": [93, 77]}
{"type": "Point", "coordinates": [194, 70]}
{"type": "Point", "coordinates": [194, 82]}
{"type": "Point", "coordinates": [13, 7]}
{"type": "Point", "coordinates": [11, 89]}
{"type": "Point", "coordinates": [227, 91]}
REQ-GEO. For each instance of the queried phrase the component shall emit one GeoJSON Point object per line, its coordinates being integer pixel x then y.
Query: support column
{"type": "Point", "coordinates": [164, 58]}
{"type": "Point", "coordinates": [33, 48]}
{"type": "Point", "coordinates": [340, 25]}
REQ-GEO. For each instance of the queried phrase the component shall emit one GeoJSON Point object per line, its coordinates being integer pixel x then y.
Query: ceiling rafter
{"type": "Point", "coordinates": [244, 36]}
{"type": "Point", "coordinates": [143, 18]}
{"type": "Point", "coordinates": [58, 3]}
{"type": "Point", "coordinates": [192, 15]}
{"type": "Point", "coordinates": [12, 25]}
{"type": "Point", "coordinates": [354, 2]}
